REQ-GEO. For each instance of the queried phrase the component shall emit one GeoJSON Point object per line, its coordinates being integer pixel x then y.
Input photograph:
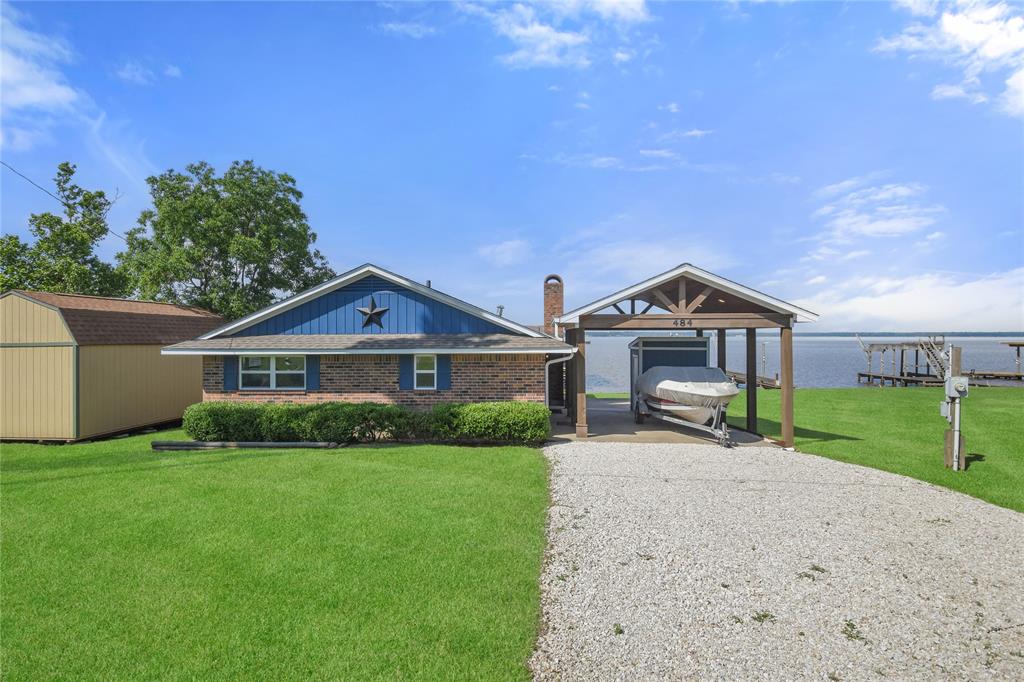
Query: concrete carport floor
{"type": "Point", "coordinates": [610, 421]}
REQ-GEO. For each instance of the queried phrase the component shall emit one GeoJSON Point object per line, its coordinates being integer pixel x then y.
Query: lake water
{"type": "Point", "coordinates": [818, 361]}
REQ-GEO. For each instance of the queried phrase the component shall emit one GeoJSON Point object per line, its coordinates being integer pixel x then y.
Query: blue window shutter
{"type": "Point", "coordinates": [405, 372]}
{"type": "Point", "coordinates": [444, 372]}
{"type": "Point", "coordinates": [230, 373]}
{"type": "Point", "coordinates": [312, 372]}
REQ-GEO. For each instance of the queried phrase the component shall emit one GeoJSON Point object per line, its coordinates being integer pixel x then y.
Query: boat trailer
{"type": "Point", "coordinates": [644, 408]}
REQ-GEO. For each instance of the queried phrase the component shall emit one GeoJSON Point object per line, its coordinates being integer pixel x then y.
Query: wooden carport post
{"type": "Point", "coordinates": [581, 381]}
{"type": "Point", "coordinates": [720, 334]}
{"type": "Point", "coordinates": [786, 371]}
{"type": "Point", "coordinates": [751, 380]}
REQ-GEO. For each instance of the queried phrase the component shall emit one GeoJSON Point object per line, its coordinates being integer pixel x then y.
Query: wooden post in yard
{"type": "Point", "coordinates": [581, 382]}
{"type": "Point", "coordinates": [752, 380]}
{"type": "Point", "coordinates": [720, 334]}
{"type": "Point", "coordinates": [570, 379]}
{"type": "Point", "coordinates": [786, 370]}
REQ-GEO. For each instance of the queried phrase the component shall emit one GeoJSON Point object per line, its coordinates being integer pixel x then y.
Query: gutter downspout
{"type": "Point", "coordinates": [547, 375]}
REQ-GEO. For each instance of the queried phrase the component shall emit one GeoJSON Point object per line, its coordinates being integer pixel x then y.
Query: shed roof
{"type": "Point", "coordinates": [369, 344]}
{"type": "Point", "coordinates": [99, 320]}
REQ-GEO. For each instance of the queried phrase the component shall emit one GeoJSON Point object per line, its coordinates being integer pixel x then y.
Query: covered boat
{"type": "Point", "coordinates": [697, 394]}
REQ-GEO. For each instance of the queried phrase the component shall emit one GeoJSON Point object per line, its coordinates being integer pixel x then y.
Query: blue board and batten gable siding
{"type": "Point", "coordinates": [408, 313]}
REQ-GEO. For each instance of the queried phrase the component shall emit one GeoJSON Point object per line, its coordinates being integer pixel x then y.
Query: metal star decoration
{"type": "Point", "coordinates": [373, 314]}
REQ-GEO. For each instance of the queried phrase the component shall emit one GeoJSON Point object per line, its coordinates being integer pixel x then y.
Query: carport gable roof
{"type": "Point", "coordinates": [699, 275]}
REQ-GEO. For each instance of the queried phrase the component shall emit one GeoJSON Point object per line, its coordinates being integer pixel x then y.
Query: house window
{"type": "Point", "coordinates": [425, 372]}
{"type": "Point", "coordinates": [284, 372]}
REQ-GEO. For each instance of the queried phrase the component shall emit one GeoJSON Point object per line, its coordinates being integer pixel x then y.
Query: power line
{"type": "Point", "coordinates": [51, 194]}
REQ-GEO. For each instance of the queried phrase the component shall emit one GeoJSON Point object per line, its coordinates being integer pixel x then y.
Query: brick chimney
{"type": "Point", "coordinates": [554, 301]}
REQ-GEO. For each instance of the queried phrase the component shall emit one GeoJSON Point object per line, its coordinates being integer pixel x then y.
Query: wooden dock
{"type": "Point", "coordinates": [926, 362]}
{"type": "Point", "coordinates": [762, 381]}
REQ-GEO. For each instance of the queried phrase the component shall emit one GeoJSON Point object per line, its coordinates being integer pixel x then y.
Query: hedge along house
{"type": "Point", "coordinates": [76, 367]}
{"type": "Point", "coordinates": [372, 335]}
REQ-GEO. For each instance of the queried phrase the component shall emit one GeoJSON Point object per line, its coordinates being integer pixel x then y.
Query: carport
{"type": "Point", "coordinates": [686, 298]}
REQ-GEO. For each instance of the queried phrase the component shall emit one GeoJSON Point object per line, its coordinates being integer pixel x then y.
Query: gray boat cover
{"type": "Point", "coordinates": [694, 386]}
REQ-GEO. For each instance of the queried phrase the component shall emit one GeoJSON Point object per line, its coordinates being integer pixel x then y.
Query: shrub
{"type": "Point", "coordinates": [223, 421]}
{"type": "Point", "coordinates": [497, 422]}
{"type": "Point", "coordinates": [331, 423]}
{"type": "Point", "coordinates": [500, 422]}
{"type": "Point", "coordinates": [283, 423]}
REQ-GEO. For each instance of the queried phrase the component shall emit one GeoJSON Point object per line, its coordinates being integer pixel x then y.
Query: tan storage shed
{"type": "Point", "coordinates": [74, 367]}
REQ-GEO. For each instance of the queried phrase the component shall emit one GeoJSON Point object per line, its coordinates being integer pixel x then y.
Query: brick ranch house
{"type": "Point", "coordinates": [372, 335]}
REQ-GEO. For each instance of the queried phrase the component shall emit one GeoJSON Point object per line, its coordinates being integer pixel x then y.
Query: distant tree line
{"type": "Point", "coordinates": [230, 243]}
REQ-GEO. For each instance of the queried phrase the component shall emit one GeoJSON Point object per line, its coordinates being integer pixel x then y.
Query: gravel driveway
{"type": "Point", "coordinates": [692, 561]}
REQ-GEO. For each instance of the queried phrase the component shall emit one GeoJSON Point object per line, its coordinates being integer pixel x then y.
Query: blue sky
{"type": "Point", "coordinates": [865, 160]}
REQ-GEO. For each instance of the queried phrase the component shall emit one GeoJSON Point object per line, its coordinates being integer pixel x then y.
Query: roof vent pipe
{"type": "Point", "coordinates": [428, 285]}
{"type": "Point", "coordinates": [501, 311]}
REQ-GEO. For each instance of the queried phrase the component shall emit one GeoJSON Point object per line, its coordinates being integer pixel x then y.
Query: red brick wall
{"type": "Point", "coordinates": [554, 298]}
{"type": "Point", "coordinates": [374, 378]}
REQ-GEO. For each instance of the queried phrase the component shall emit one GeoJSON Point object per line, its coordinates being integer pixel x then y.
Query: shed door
{"type": "Point", "coordinates": [37, 392]}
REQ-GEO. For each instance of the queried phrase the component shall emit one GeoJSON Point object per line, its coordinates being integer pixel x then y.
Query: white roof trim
{"type": "Point", "coordinates": [354, 276]}
{"type": "Point", "coordinates": [383, 351]}
{"type": "Point", "coordinates": [692, 271]}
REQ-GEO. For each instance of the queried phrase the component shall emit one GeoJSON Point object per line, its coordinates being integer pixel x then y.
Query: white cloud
{"type": "Point", "coordinates": [659, 153]}
{"type": "Point", "coordinates": [671, 107]}
{"type": "Point", "coordinates": [538, 44]}
{"type": "Point", "coordinates": [676, 135]}
{"type": "Point", "coordinates": [30, 76]}
{"type": "Point", "coordinates": [819, 279]}
{"type": "Point", "coordinates": [554, 88]}
{"type": "Point", "coordinates": [975, 36]}
{"type": "Point", "coordinates": [134, 72]}
{"type": "Point", "coordinates": [509, 252]}
{"type": "Point", "coordinates": [923, 302]}
{"type": "Point", "coordinates": [621, 11]}
{"type": "Point", "coordinates": [35, 93]}
{"type": "Point", "coordinates": [408, 29]}
{"type": "Point", "coordinates": [582, 105]}
{"type": "Point", "coordinates": [855, 209]}
{"type": "Point", "coordinates": [172, 71]}
{"type": "Point", "coordinates": [923, 8]}
{"type": "Point", "coordinates": [561, 34]}
{"type": "Point", "coordinates": [1013, 96]}
{"type": "Point", "coordinates": [605, 263]}
{"type": "Point", "coordinates": [948, 91]}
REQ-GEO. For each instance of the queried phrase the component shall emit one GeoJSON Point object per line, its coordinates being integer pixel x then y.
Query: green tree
{"type": "Point", "coordinates": [62, 258]}
{"type": "Point", "coordinates": [231, 244]}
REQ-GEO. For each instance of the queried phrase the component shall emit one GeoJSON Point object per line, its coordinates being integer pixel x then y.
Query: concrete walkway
{"type": "Point", "coordinates": [610, 421]}
{"type": "Point", "coordinates": [697, 562]}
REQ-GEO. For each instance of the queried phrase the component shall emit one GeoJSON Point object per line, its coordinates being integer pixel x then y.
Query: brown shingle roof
{"type": "Point", "coordinates": [327, 344]}
{"type": "Point", "coordinates": [96, 320]}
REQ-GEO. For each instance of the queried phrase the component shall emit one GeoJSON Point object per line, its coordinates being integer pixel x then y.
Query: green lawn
{"type": "Point", "coordinates": [393, 562]}
{"type": "Point", "coordinates": [900, 430]}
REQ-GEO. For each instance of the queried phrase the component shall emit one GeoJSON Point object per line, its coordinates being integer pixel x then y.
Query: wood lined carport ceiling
{"type": "Point", "coordinates": [663, 306]}
{"type": "Point", "coordinates": [686, 297]}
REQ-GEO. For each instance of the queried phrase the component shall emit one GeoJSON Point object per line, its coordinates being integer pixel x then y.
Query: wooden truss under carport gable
{"type": "Point", "coordinates": [687, 298]}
